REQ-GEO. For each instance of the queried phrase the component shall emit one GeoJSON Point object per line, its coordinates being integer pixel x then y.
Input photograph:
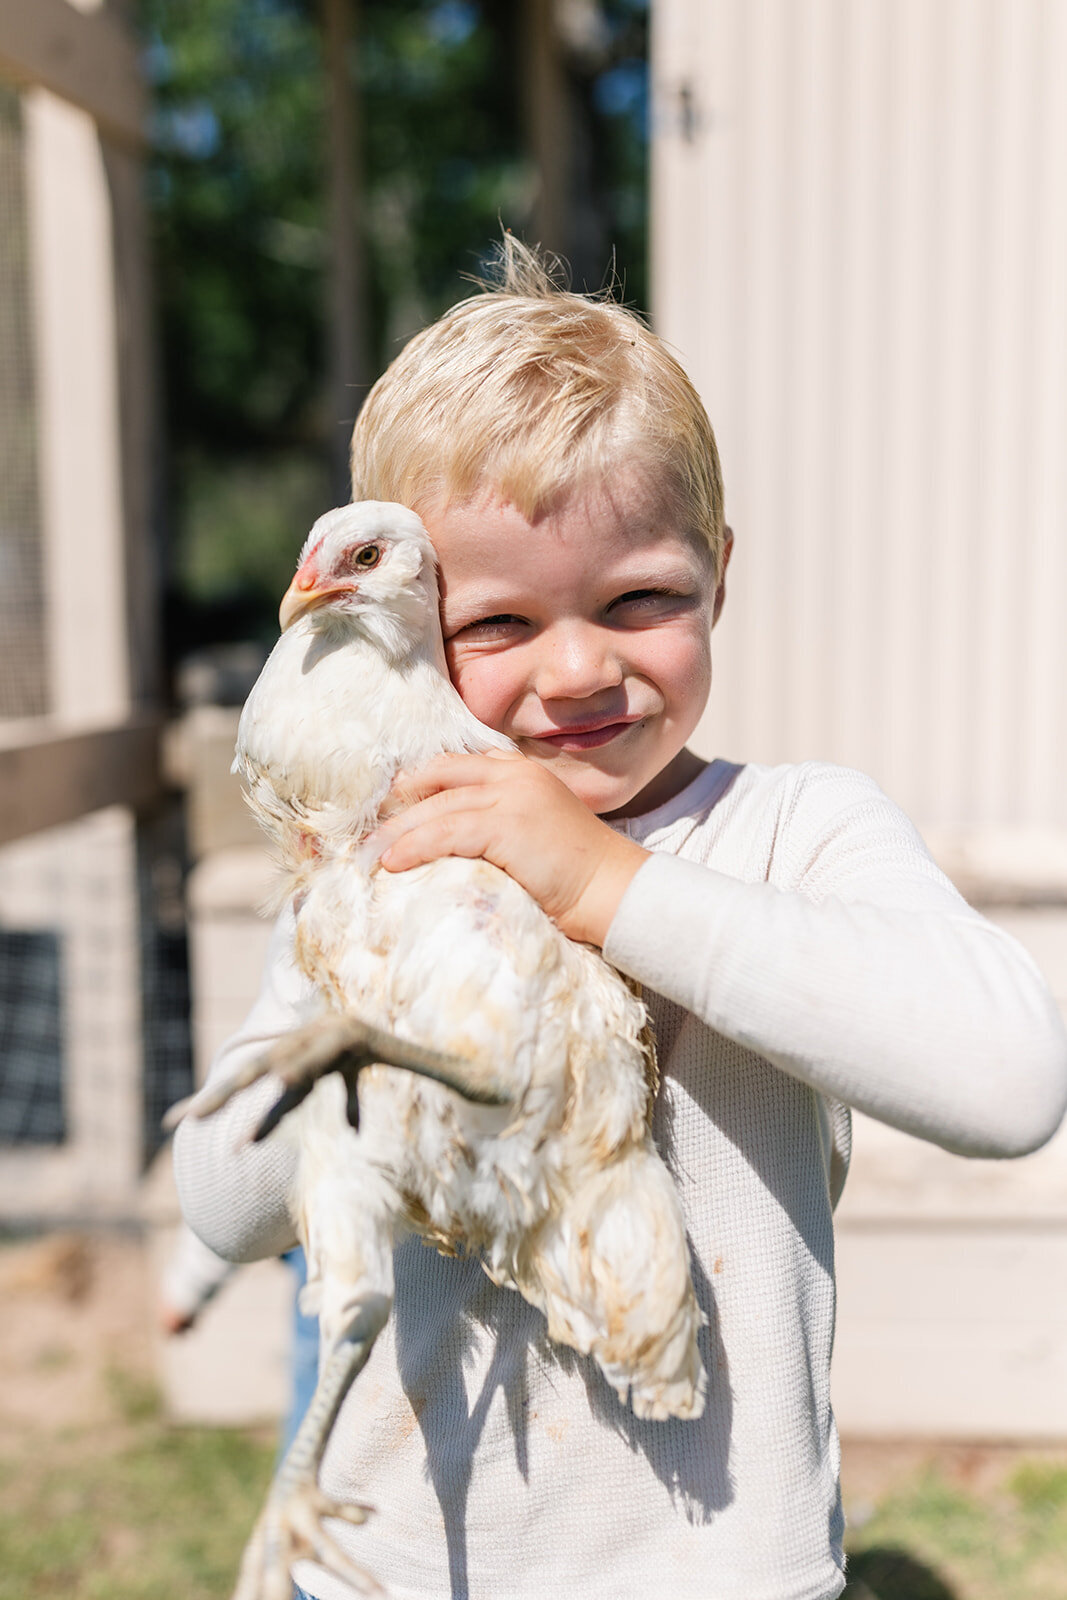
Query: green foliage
{"type": "Point", "coordinates": [235, 179]}
{"type": "Point", "coordinates": [245, 525]}
{"type": "Point", "coordinates": [442, 154]}
{"type": "Point", "coordinates": [237, 187]}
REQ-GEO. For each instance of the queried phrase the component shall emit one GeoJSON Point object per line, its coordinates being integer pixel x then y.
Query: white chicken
{"type": "Point", "coordinates": [533, 1147]}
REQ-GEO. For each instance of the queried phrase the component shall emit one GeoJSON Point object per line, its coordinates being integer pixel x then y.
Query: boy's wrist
{"type": "Point", "coordinates": [622, 861]}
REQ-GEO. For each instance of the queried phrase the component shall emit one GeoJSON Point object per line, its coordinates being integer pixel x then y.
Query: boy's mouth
{"type": "Point", "coordinates": [584, 735]}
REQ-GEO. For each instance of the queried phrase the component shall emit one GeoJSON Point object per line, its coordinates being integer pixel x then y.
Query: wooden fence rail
{"type": "Point", "coordinates": [89, 59]}
{"type": "Point", "coordinates": [49, 776]}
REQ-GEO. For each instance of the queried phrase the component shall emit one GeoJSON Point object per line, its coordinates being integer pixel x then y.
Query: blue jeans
{"type": "Point", "coordinates": [304, 1366]}
{"type": "Point", "coordinates": [304, 1362]}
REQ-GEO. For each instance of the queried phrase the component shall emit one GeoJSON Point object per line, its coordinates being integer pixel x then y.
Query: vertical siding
{"type": "Point", "coordinates": [860, 251]}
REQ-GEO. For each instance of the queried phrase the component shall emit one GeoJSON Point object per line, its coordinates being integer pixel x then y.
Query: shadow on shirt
{"type": "Point", "coordinates": [690, 1458]}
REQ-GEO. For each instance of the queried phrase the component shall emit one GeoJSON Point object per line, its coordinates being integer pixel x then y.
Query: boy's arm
{"type": "Point", "coordinates": [872, 980]}
{"type": "Point", "coordinates": [193, 1276]}
{"type": "Point", "coordinates": [234, 1194]}
{"type": "Point", "coordinates": [867, 976]}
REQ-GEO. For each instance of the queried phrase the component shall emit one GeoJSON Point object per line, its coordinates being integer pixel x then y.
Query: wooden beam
{"type": "Point", "coordinates": [48, 778]}
{"type": "Point", "coordinates": [87, 58]}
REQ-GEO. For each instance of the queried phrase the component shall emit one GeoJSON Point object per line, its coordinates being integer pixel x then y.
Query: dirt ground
{"type": "Point", "coordinates": [76, 1327]}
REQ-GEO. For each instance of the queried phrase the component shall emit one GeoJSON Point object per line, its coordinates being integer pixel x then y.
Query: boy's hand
{"type": "Point", "coordinates": [512, 812]}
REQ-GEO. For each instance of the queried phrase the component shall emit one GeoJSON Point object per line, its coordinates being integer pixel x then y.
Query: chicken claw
{"type": "Point", "coordinates": [290, 1525]}
{"type": "Point", "coordinates": [338, 1044]}
{"type": "Point", "coordinates": [289, 1529]}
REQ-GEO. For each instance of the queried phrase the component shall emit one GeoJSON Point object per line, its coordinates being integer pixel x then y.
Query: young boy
{"type": "Point", "coordinates": [799, 950]}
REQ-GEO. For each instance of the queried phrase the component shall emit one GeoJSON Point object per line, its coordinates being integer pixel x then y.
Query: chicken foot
{"type": "Point", "coordinates": [341, 1044]}
{"type": "Point", "coordinates": [289, 1527]}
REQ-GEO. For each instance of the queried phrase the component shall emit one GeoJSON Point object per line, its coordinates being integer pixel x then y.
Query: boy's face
{"type": "Point", "coordinates": [584, 635]}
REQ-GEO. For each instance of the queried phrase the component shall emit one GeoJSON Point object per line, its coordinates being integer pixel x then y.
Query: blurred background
{"type": "Point", "coordinates": [219, 219]}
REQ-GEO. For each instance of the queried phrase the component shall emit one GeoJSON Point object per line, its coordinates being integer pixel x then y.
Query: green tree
{"type": "Point", "coordinates": [237, 189]}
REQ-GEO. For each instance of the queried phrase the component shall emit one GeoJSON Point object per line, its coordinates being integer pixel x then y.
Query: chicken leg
{"type": "Point", "coordinates": [290, 1527]}
{"type": "Point", "coordinates": [334, 1043]}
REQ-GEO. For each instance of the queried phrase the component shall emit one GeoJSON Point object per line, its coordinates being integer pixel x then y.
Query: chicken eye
{"type": "Point", "coordinates": [368, 556]}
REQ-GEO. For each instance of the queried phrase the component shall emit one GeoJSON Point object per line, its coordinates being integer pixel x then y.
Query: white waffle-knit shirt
{"type": "Point", "coordinates": [800, 953]}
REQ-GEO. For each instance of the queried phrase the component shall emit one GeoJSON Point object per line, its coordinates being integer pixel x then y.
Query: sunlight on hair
{"type": "Point", "coordinates": [533, 391]}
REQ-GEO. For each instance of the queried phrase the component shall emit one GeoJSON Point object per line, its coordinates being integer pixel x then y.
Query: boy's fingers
{"type": "Point", "coordinates": [449, 772]}
{"type": "Point", "coordinates": [432, 807]}
{"type": "Point", "coordinates": [441, 772]}
{"type": "Point", "coordinates": [452, 834]}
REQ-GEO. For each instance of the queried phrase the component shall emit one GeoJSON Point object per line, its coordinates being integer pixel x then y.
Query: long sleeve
{"type": "Point", "coordinates": [867, 976]}
{"type": "Point", "coordinates": [234, 1194]}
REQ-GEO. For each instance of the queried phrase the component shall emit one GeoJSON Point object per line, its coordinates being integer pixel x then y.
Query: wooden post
{"type": "Point", "coordinates": [138, 421]}
{"type": "Point", "coordinates": [548, 123]}
{"type": "Point", "coordinates": [87, 58]}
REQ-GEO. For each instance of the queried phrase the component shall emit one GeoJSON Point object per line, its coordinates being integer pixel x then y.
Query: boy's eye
{"type": "Point", "coordinates": [488, 627]}
{"type": "Point", "coordinates": [647, 602]}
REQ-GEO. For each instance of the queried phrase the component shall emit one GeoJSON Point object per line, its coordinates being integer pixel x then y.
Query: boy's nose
{"type": "Point", "coordinates": [576, 663]}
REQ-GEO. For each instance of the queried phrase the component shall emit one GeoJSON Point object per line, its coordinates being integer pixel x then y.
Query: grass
{"type": "Point", "coordinates": [932, 1538]}
{"type": "Point", "coordinates": [142, 1510]}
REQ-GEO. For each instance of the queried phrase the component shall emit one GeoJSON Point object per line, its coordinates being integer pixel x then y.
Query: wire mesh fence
{"type": "Point", "coordinates": [31, 1038]}
{"type": "Point", "coordinates": [94, 1002]}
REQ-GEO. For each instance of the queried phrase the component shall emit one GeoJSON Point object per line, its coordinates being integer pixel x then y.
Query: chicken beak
{"type": "Point", "coordinates": [304, 594]}
{"type": "Point", "coordinates": [295, 600]}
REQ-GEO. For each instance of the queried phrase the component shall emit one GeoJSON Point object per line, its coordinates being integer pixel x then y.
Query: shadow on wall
{"type": "Point", "coordinates": [888, 1574]}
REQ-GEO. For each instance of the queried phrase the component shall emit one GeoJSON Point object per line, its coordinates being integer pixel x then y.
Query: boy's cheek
{"type": "Point", "coordinates": [457, 666]}
{"type": "Point", "coordinates": [681, 667]}
{"type": "Point", "coordinates": [482, 687]}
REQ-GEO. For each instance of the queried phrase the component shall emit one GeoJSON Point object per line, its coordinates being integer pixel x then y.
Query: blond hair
{"type": "Point", "coordinates": [535, 391]}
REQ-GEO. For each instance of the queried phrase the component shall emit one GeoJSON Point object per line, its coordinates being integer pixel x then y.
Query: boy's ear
{"type": "Point", "coordinates": [720, 590]}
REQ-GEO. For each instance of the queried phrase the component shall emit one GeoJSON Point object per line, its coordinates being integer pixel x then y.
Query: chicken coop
{"type": "Point", "coordinates": [859, 247]}
{"type": "Point", "coordinates": [93, 1036]}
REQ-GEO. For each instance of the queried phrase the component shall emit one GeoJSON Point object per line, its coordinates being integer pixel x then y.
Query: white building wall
{"type": "Point", "coordinates": [860, 254]}
{"type": "Point", "coordinates": [860, 251]}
